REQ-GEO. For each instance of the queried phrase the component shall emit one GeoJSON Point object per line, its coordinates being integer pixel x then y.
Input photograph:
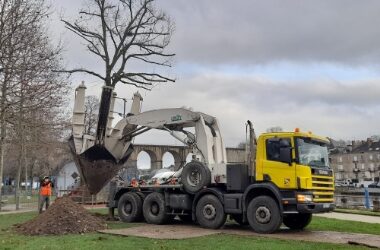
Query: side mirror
{"type": "Point", "coordinates": [286, 155]}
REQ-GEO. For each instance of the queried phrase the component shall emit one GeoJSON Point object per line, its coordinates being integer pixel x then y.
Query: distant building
{"type": "Point", "coordinates": [359, 161]}
{"type": "Point", "coordinates": [67, 177]}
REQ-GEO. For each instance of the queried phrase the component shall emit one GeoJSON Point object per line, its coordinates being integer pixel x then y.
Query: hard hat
{"type": "Point", "coordinates": [46, 177]}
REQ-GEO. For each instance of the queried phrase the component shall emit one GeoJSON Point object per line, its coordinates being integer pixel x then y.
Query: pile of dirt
{"type": "Point", "coordinates": [63, 217]}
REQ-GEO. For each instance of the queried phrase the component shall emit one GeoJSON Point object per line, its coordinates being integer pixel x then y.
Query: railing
{"type": "Point", "coordinates": [356, 198]}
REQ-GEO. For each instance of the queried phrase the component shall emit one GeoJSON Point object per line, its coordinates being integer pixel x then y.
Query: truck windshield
{"type": "Point", "coordinates": [312, 153]}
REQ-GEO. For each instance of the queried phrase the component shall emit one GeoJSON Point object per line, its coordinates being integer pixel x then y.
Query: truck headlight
{"type": "Point", "coordinates": [304, 197]}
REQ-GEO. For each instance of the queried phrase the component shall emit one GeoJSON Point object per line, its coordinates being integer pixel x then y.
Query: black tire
{"type": "Point", "coordinates": [195, 176]}
{"type": "Point", "coordinates": [297, 221]}
{"type": "Point", "coordinates": [130, 207]}
{"type": "Point", "coordinates": [154, 209]}
{"type": "Point", "coordinates": [264, 215]}
{"type": "Point", "coordinates": [239, 219]}
{"type": "Point", "coordinates": [186, 218]}
{"type": "Point", "coordinates": [210, 212]}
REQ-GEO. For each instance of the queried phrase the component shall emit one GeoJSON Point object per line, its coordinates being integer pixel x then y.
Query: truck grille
{"type": "Point", "coordinates": [323, 187]}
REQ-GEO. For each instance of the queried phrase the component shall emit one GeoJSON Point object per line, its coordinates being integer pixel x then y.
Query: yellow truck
{"type": "Point", "coordinates": [285, 179]}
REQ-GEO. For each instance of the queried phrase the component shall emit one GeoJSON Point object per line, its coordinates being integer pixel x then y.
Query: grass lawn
{"type": "Point", "coordinates": [93, 241]}
{"type": "Point", "coordinates": [326, 224]}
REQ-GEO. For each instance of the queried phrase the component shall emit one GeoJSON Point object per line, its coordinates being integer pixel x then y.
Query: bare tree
{"type": "Point", "coordinates": [119, 32]}
{"type": "Point", "coordinates": [242, 144]}
{"type": "Point", "coordinates": [91, 114]}
{"type": "Point", "coordinates": [274, 129]}
{"type": "Point", "coordinates": [29, 80]}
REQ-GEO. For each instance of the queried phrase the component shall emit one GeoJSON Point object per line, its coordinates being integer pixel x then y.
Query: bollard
{"type": "Point", "coordinates": [366, 195]}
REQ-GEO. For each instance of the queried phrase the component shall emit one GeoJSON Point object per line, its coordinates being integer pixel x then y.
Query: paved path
{"type": "Point", "coordinates": [351, 217]}
{"type": "Point", "coordinates": [190, 231]}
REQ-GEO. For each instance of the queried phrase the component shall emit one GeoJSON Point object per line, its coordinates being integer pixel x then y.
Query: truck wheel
{"type": "Point", "coordinates": [195, 176]}
{"type": "Point", "coordinates": [130, 207]}
{"type": "Point", "coordinates": [154, 209]}
{"type": "Point", "coordinates": [264, 215]}
{"type": "Point", "coordinates": [209, 212]}
{"type": "Point", "coordinates": [239, 219]}
{"type": "Point", "coordinates": [297, 221]}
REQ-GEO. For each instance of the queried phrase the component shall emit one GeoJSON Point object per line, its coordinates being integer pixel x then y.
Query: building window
{"type": "Point", "coordinates": [340, 159]}
{"type": "Point", "coordinates": [340, 167]}
{"type": "Point", "coordinates": [355, 158]}
{"type": "Point", "coordinates": [372, 167]}
{"type": "Point", "coordinates": [371, 157]}
{"type": "Point", "coordinates": [363, 166]}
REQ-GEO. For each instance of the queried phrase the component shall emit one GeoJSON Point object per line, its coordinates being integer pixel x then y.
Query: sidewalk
{"type": "Point", "coordinates": [351, 217]}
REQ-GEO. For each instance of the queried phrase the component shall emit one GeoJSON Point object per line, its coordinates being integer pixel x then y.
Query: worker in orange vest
{"type": "Point", "coordinates": [45, 193]}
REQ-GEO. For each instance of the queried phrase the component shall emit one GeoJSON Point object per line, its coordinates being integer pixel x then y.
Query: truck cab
{"type": "Point", "coordinates": [297, 163]}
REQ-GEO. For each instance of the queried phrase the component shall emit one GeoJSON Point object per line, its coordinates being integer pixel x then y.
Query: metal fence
{"type": "Point", "coordinates": [358, 198]}
{"type": "Point", "coordinates": [26, 200]}
{"type": "Point", "coordinates": [29, 200]}
{"type": "Point", "coordinates": [354, 198]}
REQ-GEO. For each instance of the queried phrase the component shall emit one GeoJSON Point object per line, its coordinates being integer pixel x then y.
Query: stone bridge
{"type": "Point", "coordinates": [180, 153]}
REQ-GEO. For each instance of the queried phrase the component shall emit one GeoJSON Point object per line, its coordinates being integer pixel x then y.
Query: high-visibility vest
{"type": "Point", "coordinates": [46, 190]}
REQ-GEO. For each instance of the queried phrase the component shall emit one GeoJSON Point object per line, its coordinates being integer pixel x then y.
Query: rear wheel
{"type": "Point", "coordinates": [297, 221]}
{"type": "Point", "coordinates": [209, 212]}
{"type": "Point", "coordinates": [195, 176]}
{"type": "Point", "coordinates": [154, 209]}
{"type": "Point", "coordinates": [130, 207]}
{"type": "Point", "coordinates": [264, 215]}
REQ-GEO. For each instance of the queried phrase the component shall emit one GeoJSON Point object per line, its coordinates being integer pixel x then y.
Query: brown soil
{"type": "Point", "coordinates": [63, 217]}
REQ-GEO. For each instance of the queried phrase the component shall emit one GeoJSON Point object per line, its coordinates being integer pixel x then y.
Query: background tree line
{"type": "Point", "coordinates": [32, 92]}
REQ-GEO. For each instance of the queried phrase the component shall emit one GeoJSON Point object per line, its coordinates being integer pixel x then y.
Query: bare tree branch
{"type": "Point", "coordinates": [126, 30]}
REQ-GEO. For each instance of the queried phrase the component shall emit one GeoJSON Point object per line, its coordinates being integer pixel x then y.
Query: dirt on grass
{"type": "Point", "coordinates": [63, 217]}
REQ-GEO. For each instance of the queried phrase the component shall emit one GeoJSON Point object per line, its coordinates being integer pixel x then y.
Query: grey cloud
{"type": "Point", "coordinates": [340, 31]}
{"type": "Point", "coordinates": [356, 94]}
{"type": "Point", "coordinates": [339, 110]}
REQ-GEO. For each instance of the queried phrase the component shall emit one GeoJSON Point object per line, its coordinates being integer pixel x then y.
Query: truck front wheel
{"type": "Point", "coordinates": [297, 221]}
{"type": "Point", "coordinates": [264, 215]}
{"type": "Point", "coordinates": [154, 209]}
{"type": "Point", "coordinates": [130, 207]}
{"type": "Point", "coordinates": [209, 212]}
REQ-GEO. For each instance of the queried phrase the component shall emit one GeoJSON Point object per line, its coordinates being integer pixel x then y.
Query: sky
{"type": "Point", "coordinates": [308, 64]}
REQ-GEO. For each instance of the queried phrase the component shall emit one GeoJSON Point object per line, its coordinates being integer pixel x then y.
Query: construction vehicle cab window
{"type": "Point", "coordinates": [285, 179]}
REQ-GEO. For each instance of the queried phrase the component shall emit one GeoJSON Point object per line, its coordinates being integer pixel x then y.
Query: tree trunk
{"type": "Point", "coordinates": [2, 149]}
{"type": "Point", "coordinates": [22, 150]}
{"type": "Point", "coordinates": [2, 137]}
